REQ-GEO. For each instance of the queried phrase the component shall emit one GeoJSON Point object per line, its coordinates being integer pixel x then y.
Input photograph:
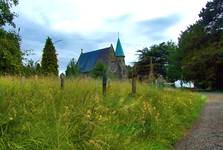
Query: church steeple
{"type": "Point", "coordinates": [119, 51]}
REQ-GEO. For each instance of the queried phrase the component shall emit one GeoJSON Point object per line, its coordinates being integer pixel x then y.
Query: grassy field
{"type": "Point", "coordinates": [37, 114]}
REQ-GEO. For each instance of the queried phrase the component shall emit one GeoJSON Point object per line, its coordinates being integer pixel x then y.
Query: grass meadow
{"type": "Point", "coordinates": [35, 114]}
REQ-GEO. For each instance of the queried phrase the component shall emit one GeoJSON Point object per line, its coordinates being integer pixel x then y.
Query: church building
{"type": "Point", "coordinates": [113, 59]}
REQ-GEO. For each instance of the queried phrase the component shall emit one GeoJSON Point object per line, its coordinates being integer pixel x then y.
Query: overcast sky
{"type": "Point", "coordinates": [94, 24]}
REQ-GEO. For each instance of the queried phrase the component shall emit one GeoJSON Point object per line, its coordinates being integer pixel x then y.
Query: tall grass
{"type": "Point", "coordinates": [37, 114]}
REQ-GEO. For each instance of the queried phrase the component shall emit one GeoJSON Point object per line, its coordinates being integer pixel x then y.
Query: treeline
{"type": "Point", "coordinates": [12, 59]}
{"type": "Point", "coordinates": [197, 57]}
{"type": "Point", "coordinates": [14, 62]}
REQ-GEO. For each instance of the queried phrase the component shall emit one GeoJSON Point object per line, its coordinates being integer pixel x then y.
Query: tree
{"type": "Point", "coordinates": [10, 53]}
{"type": "Point", "coordinates": [212, 16]}
{"type": "Point", "coordinates": [38, 69]}
{"type": "Point", "coordinates": [99, 70]}
{"type": "Point", "coordinates": [129, 71]}
{"type": "Point", "coordinates": [72, 69]}
{"type": "Point", "coordinates": [6, 16]}
{"type": "Point", "coordinates": [49, 59]}
{"type": "Point", "coordinates": [173, 69]}
{"type": "Point", "coordinates": [31, 68]}
{"type": "Point", "coordinates": [160, 59]}
{"type": "Point", "coordinates": [201, 52]}
{"type": "Point", "coordinates": [142, 66]}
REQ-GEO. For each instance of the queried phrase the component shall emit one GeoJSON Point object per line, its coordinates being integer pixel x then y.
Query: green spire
{"type": "Point", "coordinates": [119, 51]}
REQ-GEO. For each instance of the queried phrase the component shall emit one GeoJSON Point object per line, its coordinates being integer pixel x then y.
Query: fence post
{"type": "Point", "coordinates": [133, 81]}
{"type": "Point", "coordinates": [62, 76]}
{"type": "Point", "coordinates": [104, 84]}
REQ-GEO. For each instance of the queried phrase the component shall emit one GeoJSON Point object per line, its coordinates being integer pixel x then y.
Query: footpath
{"type": "Point", "coordinates": [207, 133]}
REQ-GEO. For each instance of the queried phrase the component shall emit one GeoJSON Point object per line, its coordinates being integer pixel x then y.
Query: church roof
{"type": "Point", "coordinates": [119, 51]}
{"type": "Point", "coordinates": [87, 61]}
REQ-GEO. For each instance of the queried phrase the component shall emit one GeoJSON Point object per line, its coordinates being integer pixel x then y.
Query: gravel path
{"type": "Point", "coordinates": [207, 133]}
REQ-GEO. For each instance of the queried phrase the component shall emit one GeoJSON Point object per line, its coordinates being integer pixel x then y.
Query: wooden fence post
{"type": "Point", "coordinates": [104, 85]}
{"type": "Point", "coordinates": [62, 76]}
{"type": "Point", "coordinates": [133, 81]}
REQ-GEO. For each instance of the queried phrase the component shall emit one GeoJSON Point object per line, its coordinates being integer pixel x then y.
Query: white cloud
{"type": "Point", "coordinates": [90, 17]}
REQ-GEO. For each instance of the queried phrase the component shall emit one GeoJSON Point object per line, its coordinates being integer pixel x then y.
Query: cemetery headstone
{"type": "Point", "coordinates": [104, 84]}
{"type": "Point", "coordinates": [62, 77]}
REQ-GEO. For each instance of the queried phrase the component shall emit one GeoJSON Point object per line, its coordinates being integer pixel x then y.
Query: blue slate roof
{"type": "Point", "coordinates": [87, 61]}
{"type": "Point", "coordinates": [119, 51]}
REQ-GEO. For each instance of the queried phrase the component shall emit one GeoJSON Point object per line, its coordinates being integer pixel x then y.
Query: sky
{"type": "Point", "coordinates": [94, 24]}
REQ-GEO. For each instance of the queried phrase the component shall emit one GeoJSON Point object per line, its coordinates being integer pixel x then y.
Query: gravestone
{"type": "Point", "coordinates": [133, 81]}
{"type": "Point", "coordinates": [160, 81]}
{"type": "Point", "coordinates": [62, 77]}
{"type": "Point", "coordinates": [104, 85]}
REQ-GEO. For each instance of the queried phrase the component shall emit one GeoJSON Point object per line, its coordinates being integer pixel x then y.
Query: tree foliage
{"type": "Point", "coordinates": [160, 59]}
{"type": "Point", "coordinates": [212, 16]}
{"type": "Point", "coordinates": [99, 70]}
{"type": "Point", "coordinates": [72, 69]}
{"type": "Point", "coordinates": [31, 68]}
{"type": "Point", "coordinates": [49, 59]}
{"type": "Point", "coordinates": [173, 68]}
{"type": "Point", "coordinates": [201, 48]}
{"type": "Point", "coordinates": [130, 71]}
{"type": "Point", "coordinates": [6, 15]}
{"type": "Point", "coordinates": [10, 53]}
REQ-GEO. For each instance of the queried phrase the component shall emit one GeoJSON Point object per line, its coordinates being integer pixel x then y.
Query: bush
{"type": "Point", "coordinates": [99, 70]}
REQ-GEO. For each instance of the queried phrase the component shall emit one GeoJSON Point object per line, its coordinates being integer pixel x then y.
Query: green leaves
{"type": "Point", "coordinates": [10, 54]}
{"type": "Point", "coordinates": [200, 47]}
{"type": "Point", "coordinates": [72, 69]}
{"type": "Point", "coordinates": [99, 70]}
{"type": "Point", "coordinates": [6, 16]}
{"type": "Point", "coordinates": [212, 16]}
{"type": "Point", "coordinates": [162, 56]}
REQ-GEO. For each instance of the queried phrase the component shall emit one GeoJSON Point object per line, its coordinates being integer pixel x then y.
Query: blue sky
{"type": "Point", "coordinates": [90, 25]}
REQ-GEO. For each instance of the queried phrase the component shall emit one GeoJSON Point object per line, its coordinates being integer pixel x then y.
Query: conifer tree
{"type": "Point", "coordinates": [49, 59]}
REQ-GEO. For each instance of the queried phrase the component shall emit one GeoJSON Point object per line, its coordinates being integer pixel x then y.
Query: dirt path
{"type": "Point", "coordinates": [207, 133]}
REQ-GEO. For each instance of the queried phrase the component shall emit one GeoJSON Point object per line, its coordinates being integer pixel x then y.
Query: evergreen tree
{"type": "Point", "coordinates": [38, 68]}
{"type": "Point", "coordinates": [49, 59]}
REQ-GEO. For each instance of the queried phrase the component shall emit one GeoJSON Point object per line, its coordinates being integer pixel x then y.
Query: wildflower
{"type": "Point", "coordinates": [100, 117]}
{"type": "Point", "coordinates": [88, 114]}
